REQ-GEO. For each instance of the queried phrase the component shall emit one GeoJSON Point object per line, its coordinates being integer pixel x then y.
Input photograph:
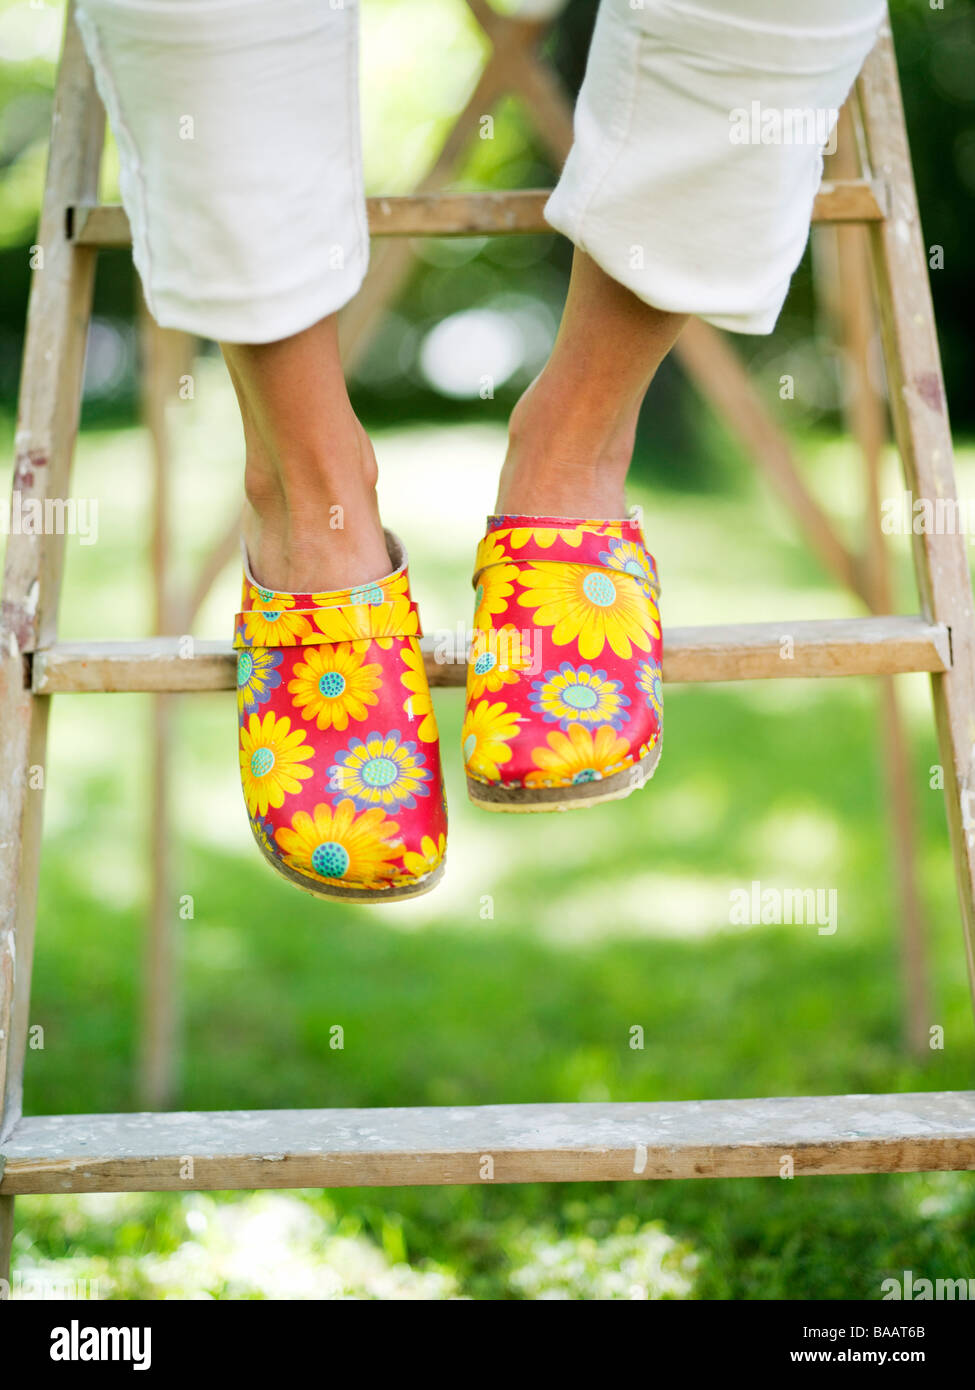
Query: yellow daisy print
{"type": "Point", "coordinates": [495, 584]}
{"type": "Point", "coordinates": [333, 684]}
{"type": "Point", "coordinates": [263, 832]}
{"type": "Point", "coordinates": [590, 606]}
{"type": "Point", "coordinates": [544, 536]}
{"type": "Point", "coordinates": [485, 736]}
{"type": "Point", "coordinates": [418, 705]}
{"type": "Point", "coordinates": [498, 658]}
{"type": "Point", "coordinates": [339, 847]}
{"type": "Point", "coordinates": [269, 598]}
{"type": "Point", "coordinates": [579, 756]}
{"type": "Point", "coordinates": [490, 551]}
{"type": "Point", "coordinates": [257, 676]}
{"type": "Point", "coordinates": [380, 623]}
{"type": "Point", "coordinates": [428, 859]}
{"type": "Point", "coordinates": [378, 592]}
{"type": "Point", "coordinates": [630, 558]}
{"type": "Point", "coordinates": [272, 761]}
{"type": "Point", "coordinates": [275, 627]}
{"type": "Point", "coordinates": [381, 770]}
{"type": "Point", "coordinates": [649, 680]}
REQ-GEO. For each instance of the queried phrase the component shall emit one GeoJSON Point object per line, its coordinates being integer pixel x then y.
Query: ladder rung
{"type": "Point", "coordinates": [923, 1132]}
{"type": "Point", "coordinates": [481, 214]}
{"type": "Point", "coordinates": [746, 651]}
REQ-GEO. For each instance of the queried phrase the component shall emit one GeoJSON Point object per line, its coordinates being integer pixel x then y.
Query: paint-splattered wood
{"type": "Point", "coordinates": [478, 214]}
{"type": "Point", "coordinates": [745, 651]}
{"type": "Point", "coordinates": [930, 1131]}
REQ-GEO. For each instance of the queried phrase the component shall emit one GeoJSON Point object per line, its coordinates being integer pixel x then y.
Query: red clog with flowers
{"type": "Point", "coordinates": [564, 693]}
{"type": "Point", "coordinates": [339, 753]}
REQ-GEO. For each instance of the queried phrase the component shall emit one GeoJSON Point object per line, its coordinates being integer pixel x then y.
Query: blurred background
{"type": "Point", "coordinates": [597, 922]}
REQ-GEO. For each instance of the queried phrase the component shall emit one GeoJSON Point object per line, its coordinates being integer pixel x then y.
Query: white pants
{"type": "Point", "coordinates": [238, 130]}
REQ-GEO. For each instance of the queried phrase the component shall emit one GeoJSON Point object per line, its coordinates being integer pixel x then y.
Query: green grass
{"type": "Point", "coordinates": [521, 978]}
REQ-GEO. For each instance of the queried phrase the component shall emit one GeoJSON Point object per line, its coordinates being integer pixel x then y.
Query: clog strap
{"type": "Point", "coordinates": [614, 546]}
{"type": "Point", "coordinates": [337, 622]}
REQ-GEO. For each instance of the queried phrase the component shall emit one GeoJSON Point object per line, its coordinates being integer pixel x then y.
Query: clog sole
{"type": "Point", "coordinates": [494, 797]}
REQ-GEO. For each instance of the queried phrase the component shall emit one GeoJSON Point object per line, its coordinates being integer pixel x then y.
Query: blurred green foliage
{"type": "Point", "coordinates": [603, 920]}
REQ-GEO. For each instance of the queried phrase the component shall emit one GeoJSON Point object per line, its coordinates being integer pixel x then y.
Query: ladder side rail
{"type": "Point", "coordinates": [49, 406]}
{"type": "Point", "coordinates": [923, 435]}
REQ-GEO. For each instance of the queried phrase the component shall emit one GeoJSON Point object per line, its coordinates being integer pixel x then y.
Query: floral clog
{"type": "Point", "coordinates": [339, 753]}
{"type": "Point", "coordinates": [564, 693]}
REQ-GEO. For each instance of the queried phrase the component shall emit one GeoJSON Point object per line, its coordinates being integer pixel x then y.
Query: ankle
{"type": "Point", "coordinates": [568, 454]}
{"type": "Point", "coordinates": [309, 554]}
{"type": "Point", "coordinates": [289, 476]}
{"type": "Point", "coordinates": [313, 524]}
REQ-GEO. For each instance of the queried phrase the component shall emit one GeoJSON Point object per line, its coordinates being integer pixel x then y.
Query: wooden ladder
{"type": "Point", "coordinates": [536, 1143]}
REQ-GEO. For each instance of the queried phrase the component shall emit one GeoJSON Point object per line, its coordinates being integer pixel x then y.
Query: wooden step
{"type": "Point", "coordinates": [924, 1132]}
{"type": "Point", "coordinates": [746, 651]}
{"type": "Point", "coordinates": [479, 214]}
